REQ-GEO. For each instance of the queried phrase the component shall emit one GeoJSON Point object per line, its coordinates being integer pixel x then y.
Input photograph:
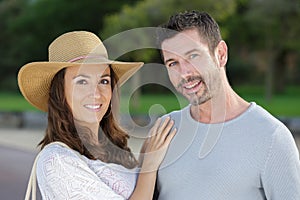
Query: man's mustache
{"type": "Point", "coordinates": [189, 79]}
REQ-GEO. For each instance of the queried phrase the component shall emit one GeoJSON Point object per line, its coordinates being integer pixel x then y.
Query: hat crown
{"type": "Point", "coordinates": [75, 44]}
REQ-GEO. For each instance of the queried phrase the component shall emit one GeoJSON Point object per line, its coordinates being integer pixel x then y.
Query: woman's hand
{"type": "Point", "coordinates": [152, 154]}
{"type": "Point", "coordinates": [155, 146]}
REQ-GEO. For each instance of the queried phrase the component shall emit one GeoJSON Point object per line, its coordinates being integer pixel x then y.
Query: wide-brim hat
{"type": "Point", "coordinates": [70, 49]}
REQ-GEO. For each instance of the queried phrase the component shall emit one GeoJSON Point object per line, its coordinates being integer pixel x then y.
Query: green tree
{"type": "Point", "coordinates": [144, 15]}
{"type": "Point", "coordinates": [151, 13]}
{"type": "Point", "coordinates": [270, 29]}
{"type": "Point", "coordinates": [276, 22]}
{"type": "Point", "coordinates": [259, 31]}
{"type": "Point", "coordinates": [30, 25]}
{"type": "Point", "coordinates": [10, 10]}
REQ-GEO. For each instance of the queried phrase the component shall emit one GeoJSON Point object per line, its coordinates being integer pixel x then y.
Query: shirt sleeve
{"type": "Point", "coordinates": [281, 176]}
{"type": "Point", "coordinates": [62, 174]}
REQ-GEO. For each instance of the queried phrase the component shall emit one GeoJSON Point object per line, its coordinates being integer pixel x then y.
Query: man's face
{"type": "Point", "coordinates": [193, 71]}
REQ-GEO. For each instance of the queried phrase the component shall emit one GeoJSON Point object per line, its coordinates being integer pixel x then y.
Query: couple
{"type": "Point", "coordinates": [218, 147]}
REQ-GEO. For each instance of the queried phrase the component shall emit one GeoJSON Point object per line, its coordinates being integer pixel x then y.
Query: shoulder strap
{"type": "Point", "coordinates": [31, 188]}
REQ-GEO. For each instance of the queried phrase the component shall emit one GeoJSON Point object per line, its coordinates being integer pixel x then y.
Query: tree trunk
{"type": "Point", "coordinates": [270, 76]}
{"type": "Point", "coordinates": [135, 99]}
{"type": "Point", "coordinates": [280, 69]}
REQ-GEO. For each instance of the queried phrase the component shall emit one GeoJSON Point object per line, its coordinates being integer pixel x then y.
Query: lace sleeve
{"type": "Point", "coordinates": [62, 174]}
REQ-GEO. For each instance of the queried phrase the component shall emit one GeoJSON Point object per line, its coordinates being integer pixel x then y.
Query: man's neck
{"type": "Point", "coordinates": [221, 108]}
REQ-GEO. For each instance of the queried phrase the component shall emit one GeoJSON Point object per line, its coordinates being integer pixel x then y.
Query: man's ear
{"type": "Point", "coordinates": [221, 53]}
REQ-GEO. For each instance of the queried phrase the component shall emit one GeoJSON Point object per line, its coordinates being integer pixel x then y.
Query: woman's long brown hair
{"type": "Point", "coordinates": [112, 146]}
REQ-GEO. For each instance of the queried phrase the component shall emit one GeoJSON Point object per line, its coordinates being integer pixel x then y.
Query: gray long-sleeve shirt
{"type": "Point", "coordinates": [252, 157]}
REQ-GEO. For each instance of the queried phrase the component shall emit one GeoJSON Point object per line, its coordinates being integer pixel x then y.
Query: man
{"type": "Point", "coordinates": [225, 148]}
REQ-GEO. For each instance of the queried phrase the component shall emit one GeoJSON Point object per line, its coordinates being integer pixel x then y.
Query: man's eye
{"type": "Point", "coordinates": [81, 82]}
{"type": "Point", "coordinates": [192, 56]}
{"type": "Point", "coordinates": [172, 64]}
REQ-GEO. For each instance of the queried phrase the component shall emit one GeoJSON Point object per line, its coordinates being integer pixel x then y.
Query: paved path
{"type": "Point", "coordinates": [15, 167]}
{"type": "Point", "coordinates": [17, 153]}
{"type": "Point", "coordinates": [18, 148]}
{"type": "Point", "coordinates": [27, 140]}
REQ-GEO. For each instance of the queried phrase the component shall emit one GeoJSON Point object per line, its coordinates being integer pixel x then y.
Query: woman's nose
{"type": "Point", "coordinates": [96, 93]}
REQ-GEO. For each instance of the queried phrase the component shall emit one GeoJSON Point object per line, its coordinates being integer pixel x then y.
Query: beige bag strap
{"type": "Point", "coordinates": [31, 188]}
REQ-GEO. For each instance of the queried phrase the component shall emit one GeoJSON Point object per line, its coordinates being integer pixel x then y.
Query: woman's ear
{"type": "Point", "coordinates": [221, 53]}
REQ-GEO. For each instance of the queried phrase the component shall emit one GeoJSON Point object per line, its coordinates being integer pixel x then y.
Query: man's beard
{"type": "Point", "coordinates": [194, 98]}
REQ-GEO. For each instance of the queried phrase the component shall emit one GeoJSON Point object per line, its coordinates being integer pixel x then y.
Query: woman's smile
{"type": "Point", "coordinates": [93, 107]}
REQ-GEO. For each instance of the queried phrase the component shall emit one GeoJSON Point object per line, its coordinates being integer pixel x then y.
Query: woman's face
{"type": "Point", "coordinates": [88, 92]}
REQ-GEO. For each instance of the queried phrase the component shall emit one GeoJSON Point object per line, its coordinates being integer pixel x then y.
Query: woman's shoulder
{"type": "Point", "coordinates": [59, 154]}
{"type": "Point", "coordinates": [57, 149]}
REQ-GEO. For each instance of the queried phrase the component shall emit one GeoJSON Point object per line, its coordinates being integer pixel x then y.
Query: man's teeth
{"type": "Point", "coordinates": [92, 106]}
{"type": "Point", "coordinates": [191, 86]}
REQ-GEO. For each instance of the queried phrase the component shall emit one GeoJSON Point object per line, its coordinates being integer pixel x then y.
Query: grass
{"type": "Point", "coordinates": [14, 102]}
{"type": "Point", "coordinates": [284, 105]}
{"type": "Point", "coordinates": [152, 104]}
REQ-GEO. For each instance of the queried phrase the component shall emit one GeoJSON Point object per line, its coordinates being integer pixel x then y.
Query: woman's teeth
{"type": "Point", "coordinates": [89, 106]}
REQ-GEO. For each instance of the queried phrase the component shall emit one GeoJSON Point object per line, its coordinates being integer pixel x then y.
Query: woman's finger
{"type": "Point", "coordinates": [169, 137]}
{"type": "Point", "coordinates": [167, 129]}
{"type": "Point", "coordinates": [163, 124]}
{"type": "Point", "coordinates": [161, 137]}
{"type": "Point", "coordinates": [153, 130]}
{"type": "Point", "coordinates": [162, 133]}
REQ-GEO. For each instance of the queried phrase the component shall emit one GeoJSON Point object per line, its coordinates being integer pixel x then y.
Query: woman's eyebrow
{"type": "Point", "coordinates": [105, 75]}
{"type": "Point", "coordinates": [81, 75]}
{"type": "Point", "coordinates": [86, 76]}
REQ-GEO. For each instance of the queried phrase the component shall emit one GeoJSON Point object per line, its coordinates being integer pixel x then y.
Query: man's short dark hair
{"type": "Point", "coordinates": [207, 27]}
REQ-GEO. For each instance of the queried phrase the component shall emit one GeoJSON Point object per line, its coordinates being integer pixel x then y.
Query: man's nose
{"type": "Point", "coordinates": [186, 68]}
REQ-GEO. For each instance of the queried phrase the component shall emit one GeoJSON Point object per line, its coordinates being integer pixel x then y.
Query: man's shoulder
{"type": "Point", "coordinates": [177, 113]}
{"type": "Point", "coordinates": [263, 118]}
{"type": "Point", "coordinates": [261, 114]}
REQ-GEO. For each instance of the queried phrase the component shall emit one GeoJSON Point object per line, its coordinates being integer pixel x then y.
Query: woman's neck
{"type": "Point", "coordinates": [88, 131]}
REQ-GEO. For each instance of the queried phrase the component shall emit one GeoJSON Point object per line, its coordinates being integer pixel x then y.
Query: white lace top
{"type": "Point", "coordinates": [64, 174]}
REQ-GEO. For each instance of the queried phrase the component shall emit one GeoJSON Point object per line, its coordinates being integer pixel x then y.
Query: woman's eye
{"type": "Point", "coordinates": [81, 82]}
{"type": "Point", "coordinates": [104, 81]}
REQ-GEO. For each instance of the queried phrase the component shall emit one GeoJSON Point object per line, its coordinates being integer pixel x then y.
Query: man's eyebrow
{"type": "Point", "coordinates": [171, 59]}
{"type": "Point", "coordinates": [191, 51]}
{"type": "Point", "coordinates": [186, 53]}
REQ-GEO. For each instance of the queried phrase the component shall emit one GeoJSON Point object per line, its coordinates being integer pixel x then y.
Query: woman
{"type": "Point", "coordinates": [84, 152]}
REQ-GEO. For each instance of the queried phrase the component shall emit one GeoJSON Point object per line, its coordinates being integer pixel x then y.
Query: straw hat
{"type": "Point", "coordinates": [70, 49]}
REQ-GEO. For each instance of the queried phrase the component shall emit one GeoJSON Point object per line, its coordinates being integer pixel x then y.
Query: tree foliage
{"type": "Point", "coordinates": [152, 13]}
{"type": "Point", "coordinates": [268, 34]}
{"type": "Point", "coordinates": [28, 27]}
{"type": "Point", "coordinates": [257, 31]}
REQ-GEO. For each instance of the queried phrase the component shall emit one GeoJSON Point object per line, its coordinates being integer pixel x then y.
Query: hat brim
{"type": "Point", "coordinates": [34, 78]}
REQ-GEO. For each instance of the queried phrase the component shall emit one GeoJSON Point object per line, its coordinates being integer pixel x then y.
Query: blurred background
{"type": "Point", "coordinates": [264, 62]}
